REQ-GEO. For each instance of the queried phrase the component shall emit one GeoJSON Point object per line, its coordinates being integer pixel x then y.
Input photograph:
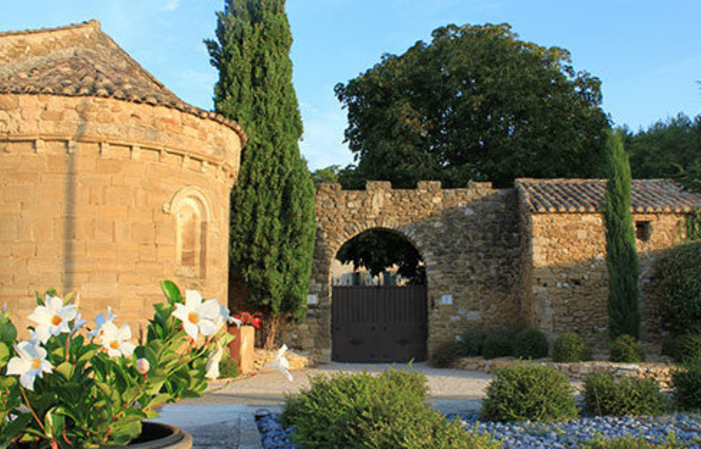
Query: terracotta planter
{"type": "Point", "coordinates": [241, 349]}
{"type": "Point", "coordinates": [161, 436]}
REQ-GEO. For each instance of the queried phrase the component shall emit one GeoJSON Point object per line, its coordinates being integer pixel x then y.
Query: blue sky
{"type": "Point", "coordinates": [646, 52]}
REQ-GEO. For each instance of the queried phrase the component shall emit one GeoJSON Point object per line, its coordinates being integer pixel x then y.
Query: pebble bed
{"type": "Point", "coordinates": [528, 435]}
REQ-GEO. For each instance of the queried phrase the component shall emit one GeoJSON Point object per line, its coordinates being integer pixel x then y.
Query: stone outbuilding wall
{"type": "Point", "coordinates": [564, 277]}
{"type": "Point", "coordinates": [109, 185]}
{"type": "Point", "coordinates": [468, 239]}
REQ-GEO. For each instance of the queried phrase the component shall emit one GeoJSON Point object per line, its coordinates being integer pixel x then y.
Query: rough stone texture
{"type": "Point", "coordinates": [661, 372]}
{"type": "Point", "coordinates": [565, 279]}
{"type": "Point", "coordinates": [468, 239]}
{"type": "Point", "coordinates": [90, 190]}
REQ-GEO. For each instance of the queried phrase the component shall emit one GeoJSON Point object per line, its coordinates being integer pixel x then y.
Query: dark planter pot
{"type": "Point", "coordinates": [154, 436]}
{"type": "Point", "coordinates": [161, 436]}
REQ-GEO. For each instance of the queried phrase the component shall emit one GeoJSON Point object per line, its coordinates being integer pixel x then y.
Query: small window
{"type": "Point", "coordinates": [191, 239]}
{"type": "Point", "coordinates": [643, 231]}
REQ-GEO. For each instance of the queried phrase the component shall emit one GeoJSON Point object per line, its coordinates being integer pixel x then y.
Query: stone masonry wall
{"type": "Point", "coordinates": [89, 193]}
{"type": "Point", "coordinates": [468, 239]}
{"type": "Point", "coordinates": [567, 286]}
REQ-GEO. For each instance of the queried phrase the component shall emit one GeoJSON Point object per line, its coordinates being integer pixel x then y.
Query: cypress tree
{"type": "Point", "coordinates": [272, 205]}
{"type": "Point", "coordinates": [621, 255]}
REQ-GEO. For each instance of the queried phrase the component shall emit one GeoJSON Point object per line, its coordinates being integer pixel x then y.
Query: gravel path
{"type": "Point", "coordinates": [269, 388]}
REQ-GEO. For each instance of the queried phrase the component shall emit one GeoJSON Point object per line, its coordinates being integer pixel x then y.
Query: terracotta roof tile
{"type": "Point", "coordinates": [81, 60]}
{"type": "Point", "coordinates": [543, 196]}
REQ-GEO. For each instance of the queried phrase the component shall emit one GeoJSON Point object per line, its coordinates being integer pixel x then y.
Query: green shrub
{"type": "Point", "coordinates": [678, 272]}
{"type": "Point", "coordinates": [687, 385]}
{"type": "Point", "coordinates": [496, 345]}
{"type": "Point", "coordinates": [446, 354]}
{"type": "Point", "coordinates": [571, 348]}
{"type": "Point", "coordinates": [627, 349]}
{"type": "Point", "coordinates": [362, 410]}
{"type": "Point", "coordinates": [683, 349]}
{"type": "Point", "coordinates": [427, 429]}
{"type": "Point", "coordinates": [228, 367]}
{"type": "Point", "coordinates": [633, 443]}
{"type": "Point", "coordinates": [531, 344]}
{"type": "Point", "coordinates": [528, 391]}
{"type": "Point", "coordinates": [606, 394]}
{"type": "Point", "coordinates": [471, 343]}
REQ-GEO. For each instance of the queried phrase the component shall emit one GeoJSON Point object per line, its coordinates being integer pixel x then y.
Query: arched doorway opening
{"type": "Point", "coordinates": [379, 300]}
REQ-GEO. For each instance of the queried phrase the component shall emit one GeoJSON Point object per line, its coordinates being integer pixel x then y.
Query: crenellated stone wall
{"type": "Point", "coordinates": [109, 197]}
{"type": "Point", "coordinates": [468, 239]}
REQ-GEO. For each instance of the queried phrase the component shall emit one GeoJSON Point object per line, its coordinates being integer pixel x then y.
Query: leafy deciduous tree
{"type": "Point", "coordinates": [476, 103]}
{"type": "Point", "coordinates": [378, 249]}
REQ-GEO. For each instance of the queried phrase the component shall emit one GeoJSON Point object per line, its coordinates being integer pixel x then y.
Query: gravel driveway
{"type": "Point", "coordinates": [269, 388]}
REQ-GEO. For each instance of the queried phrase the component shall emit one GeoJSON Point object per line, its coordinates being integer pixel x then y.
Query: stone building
{"type": "Point", "coordinates": [532, 256]}
{"type": "Point", "coordinates": [563, 268]}
{"type": "Point", "coordinates": [109, 183]}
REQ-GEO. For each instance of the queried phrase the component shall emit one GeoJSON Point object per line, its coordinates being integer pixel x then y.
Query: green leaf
{"type": "Point", "coordinates": [8, 333]}
{"type": "Point", "coordinates": [171, 292]}
{"type": "Point", "coordinates": [12, 429]}
{"type": "Point", "coordinates": [124, 433]}
{"type": "Point", "coordinates": [65, 369]}
{"type": "Point", "coordinates": [4, 354]}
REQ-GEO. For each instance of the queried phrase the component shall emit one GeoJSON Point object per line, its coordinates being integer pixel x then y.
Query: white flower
{"type": "Point", "coordinates": [142, 366]}
{"type": "Point", "coordinates": [30, 363]}
{"type": "Point", "coordinates": [197, 316]}
{"type": "Point", "coordinates": [213, 363]}
{"type": "Point", "coordinates": [53, 318]}
{"type": "Point", "coordinates": [115, 340]}
{"type": "Point", "coordinates": [101, 320]}
{"type": "Point", "coordinates": [224, 318]}
{"type": "Point", "coordinates": [79, 323]}
{"type": "Point", "coordinates": [280, 363]}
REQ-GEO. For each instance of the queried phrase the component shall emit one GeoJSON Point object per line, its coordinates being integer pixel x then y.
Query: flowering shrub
{"type": "Point", "coordinates": [246, 319]}
{"type": "Point", "coordinates": [68, 388]}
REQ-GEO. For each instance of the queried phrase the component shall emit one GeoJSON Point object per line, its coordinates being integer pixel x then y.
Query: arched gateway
{"type": "Point", "coordinates": [468, 239]}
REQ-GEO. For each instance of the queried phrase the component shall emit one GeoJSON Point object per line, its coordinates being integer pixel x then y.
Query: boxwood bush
{"type": "Point", "coordinates": [571, 348]}
{"type": "Point", "coordinates": [687, 385]}
{"type": "Point", "coordinates": [446, 354]}
{"type": "Point", "coordinates": [607, 394]}
{"type": "Point", "coordinates": [496, 345]}
{"type": "Point", "coordinates": [683, 349]}
{"type": "Point", "coordinates": [531, 344]}
{"type": "Point", "coordinates": [627, 349]}
{"type": "Point", "coordinates": [383, 411]}
{"type": "Point", "coordinates": [678, 287]}
{"type": "Point", "coordinates": [528, 391]}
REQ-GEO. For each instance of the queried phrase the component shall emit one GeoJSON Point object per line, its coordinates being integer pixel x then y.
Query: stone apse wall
{"type": "Point", "coordinates": [109, 198]}
{"type": "Point", "coordinates": [468, 239]}
{"type": "Point", "coordinates": [565, 279]}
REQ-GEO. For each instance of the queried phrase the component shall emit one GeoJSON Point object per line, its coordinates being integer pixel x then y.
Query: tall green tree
{"type": "Point", "coordinates": [476, 103]}
{"type": "Point", "coordinates": [668, 149]}
{"type": "Point", "coordinates": [621, 255]}
{"type": "Point", "coordinates": [272, 205]}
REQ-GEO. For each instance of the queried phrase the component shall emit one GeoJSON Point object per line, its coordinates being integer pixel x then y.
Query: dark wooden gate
{"type": "Point", "coordinates": [379, 324]}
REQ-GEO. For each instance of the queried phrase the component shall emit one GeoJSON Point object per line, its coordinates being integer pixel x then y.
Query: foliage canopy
{"type": "Point", "coordinates": [476, 103]}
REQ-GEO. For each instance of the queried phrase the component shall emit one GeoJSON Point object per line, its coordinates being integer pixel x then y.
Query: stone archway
{"type": "Point", "coordinates": [468, 239]}
{"type": "Point", "coordinates": [376, 322]}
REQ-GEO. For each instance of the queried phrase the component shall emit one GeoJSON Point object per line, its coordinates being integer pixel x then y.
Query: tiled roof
{"type": "Point", "coordinates": [81, 60]}
{"type": "Point", "coordinates": [543, 196]}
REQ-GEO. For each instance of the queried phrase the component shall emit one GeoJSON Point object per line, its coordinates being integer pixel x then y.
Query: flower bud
{"type": "Point", "coordinates": [142, 366]}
